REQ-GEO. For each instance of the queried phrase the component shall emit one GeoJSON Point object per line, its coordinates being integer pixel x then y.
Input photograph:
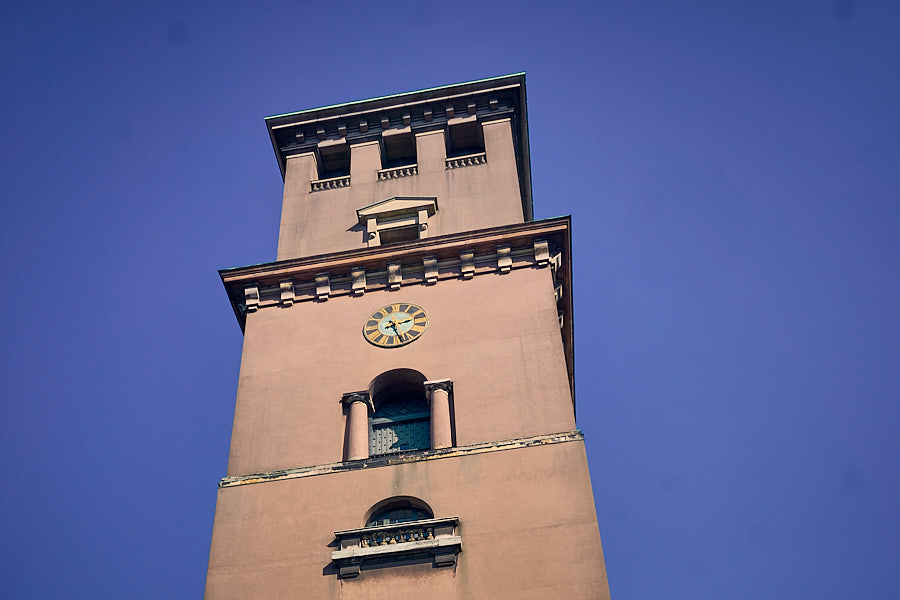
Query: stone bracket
{"type": "Point", "coordinates": [504, 259]}
{"type": "Point", "coordinates": [358, 277]}
{"type": "Point", "coordinates": [251, 297]}
{"type": "Point", "coordinates": [541, 253]}
{"type": "Point", "coordinates": [395, 276]}
{"type": "Point", "coordinates": [323, 287]}
{"type": "Point", "coordinates": [467, 264]}
{"type": "Point", "coordinates": [286, 286]}
{"type": "Point", "coordinates": [431, 269]}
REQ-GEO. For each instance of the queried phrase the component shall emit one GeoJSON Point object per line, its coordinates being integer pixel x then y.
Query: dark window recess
{"type": "Point", "coordinates": [399, 149]}
{"type": "Point", "coordinates": [465, 138]}
{"type": "Point", "coordinates": [399, 234]}
{"type": "Point", "coordinates": [335, 160]}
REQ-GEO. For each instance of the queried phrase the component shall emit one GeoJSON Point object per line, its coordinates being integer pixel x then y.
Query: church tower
{"type": "Point", "coordinates": [405, 420]}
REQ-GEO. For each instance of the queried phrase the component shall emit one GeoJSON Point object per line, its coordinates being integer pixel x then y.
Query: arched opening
{"type": "Point", "coordinates": [402, 417]}
{"type": "Point", "coordinates": [399, 509]}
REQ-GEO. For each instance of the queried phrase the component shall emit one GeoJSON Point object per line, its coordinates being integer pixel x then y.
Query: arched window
{"type": "Point", "coordinates": [398, 510]}
{"type": "Point", "coordinates": [402, 418]}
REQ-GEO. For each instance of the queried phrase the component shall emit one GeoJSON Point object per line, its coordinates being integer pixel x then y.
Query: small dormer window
{"type": "Point", "coordinates": [396, 220]}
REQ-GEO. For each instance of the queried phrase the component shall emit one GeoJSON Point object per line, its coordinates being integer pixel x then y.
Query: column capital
{"type": "Point", "coordinates": [438, 384]}
{"type": "Point", "coordinates": [350, 397]}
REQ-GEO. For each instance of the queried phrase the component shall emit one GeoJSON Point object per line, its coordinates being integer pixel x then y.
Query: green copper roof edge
{"type": "Point", "coordinates": [389, 96]}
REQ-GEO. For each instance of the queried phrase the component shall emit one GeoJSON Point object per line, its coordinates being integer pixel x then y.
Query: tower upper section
{"type": "Point", "coordinates": [404, 167]}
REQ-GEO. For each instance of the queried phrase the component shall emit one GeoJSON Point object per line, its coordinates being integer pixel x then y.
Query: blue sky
{"type": "Point", "coordinates": [731, 168]}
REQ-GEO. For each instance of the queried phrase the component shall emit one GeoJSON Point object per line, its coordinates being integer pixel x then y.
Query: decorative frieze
{"type": "Point", "coordinates": [468, 160]}
{"type": "Point", "coordinates": [332, 183]}
{"type": "Point", "coordinates": [429, 270]}
{"type": "Point", "coordinates": [397, 172]}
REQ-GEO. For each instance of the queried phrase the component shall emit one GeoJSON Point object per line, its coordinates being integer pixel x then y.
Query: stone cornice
{"type": "Point", "coordinates": [420, 111]}
{"type": "Point", "coordinates": [557, 227]}
{"type": "Point", "coordinates": [402, 458]}
{"type": "Point", "coordinates": [533, 244]}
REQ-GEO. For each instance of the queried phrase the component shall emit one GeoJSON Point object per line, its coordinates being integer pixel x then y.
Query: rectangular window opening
{"type": "Point", "coordinates": [395, 235]}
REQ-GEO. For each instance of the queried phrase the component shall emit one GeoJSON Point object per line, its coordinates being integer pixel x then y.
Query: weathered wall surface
{"type": "Point", "coordinates": [527, 522]}
{"type": "Point", "coordinates": [469, 198]}
{"type": "Point", "coordinates": [496, 336]}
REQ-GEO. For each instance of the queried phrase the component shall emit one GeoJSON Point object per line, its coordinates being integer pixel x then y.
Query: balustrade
{"type": "Point", "coordinates": [329, 184]}
{"type": "Point", "coordinates": [397, 172]}
{"type": "Point", "coordinates": [466, 161]}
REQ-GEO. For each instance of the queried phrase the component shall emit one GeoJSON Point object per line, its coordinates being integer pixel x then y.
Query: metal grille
{"type": "Point", "coordinates": [388, 438]}
{"type": "Point", "coordinates": [400, 424]}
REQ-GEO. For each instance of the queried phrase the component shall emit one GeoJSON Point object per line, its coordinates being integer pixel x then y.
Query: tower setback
{"type": "Point", "coordinates": [405, 420]}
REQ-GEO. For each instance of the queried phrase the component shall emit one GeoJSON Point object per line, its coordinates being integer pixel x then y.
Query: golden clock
{"type": "Point", "coordinates": [395, 325]}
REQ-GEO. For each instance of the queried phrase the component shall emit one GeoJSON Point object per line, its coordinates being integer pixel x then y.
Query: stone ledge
{"type": "Point", "coordinates": [401, 458]}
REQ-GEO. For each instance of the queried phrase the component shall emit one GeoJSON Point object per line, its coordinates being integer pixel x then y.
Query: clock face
{"type": "Point", "coordinates": [395, 325]}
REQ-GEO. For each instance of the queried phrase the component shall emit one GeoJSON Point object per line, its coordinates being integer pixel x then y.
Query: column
{"type": "Point", "coordinates": [359, 405]}
{"type": "Point", "coordinates": [438, 392]}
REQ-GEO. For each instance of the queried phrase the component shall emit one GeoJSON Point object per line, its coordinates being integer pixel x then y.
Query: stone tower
{"type": "Point", "coordinates": [405, 423]}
